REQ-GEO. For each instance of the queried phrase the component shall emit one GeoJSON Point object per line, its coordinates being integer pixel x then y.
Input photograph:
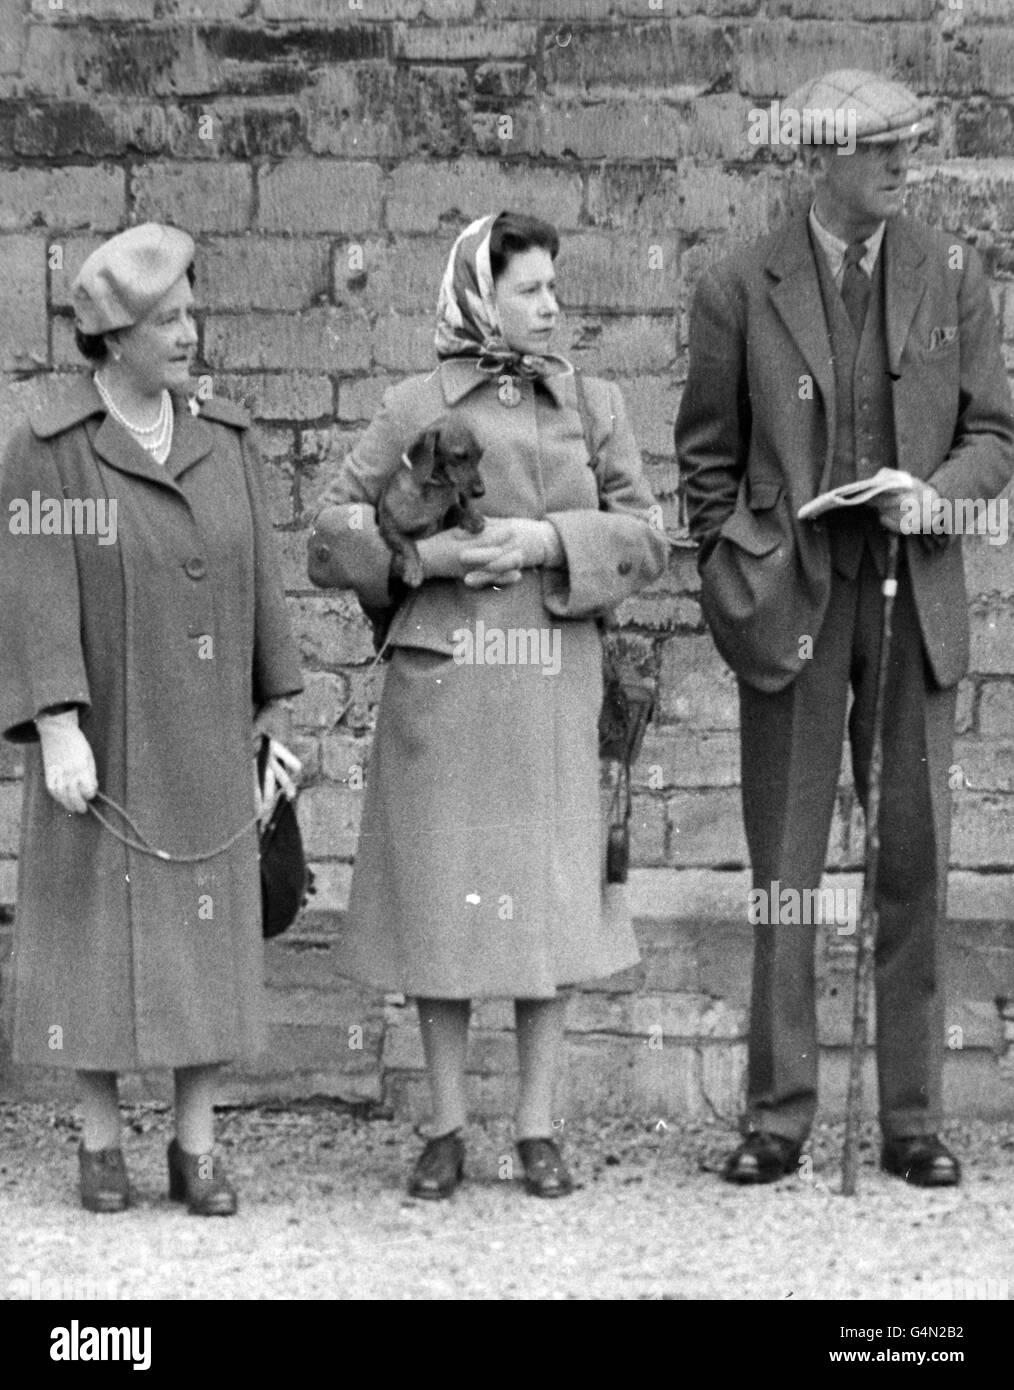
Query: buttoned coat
{"type": "Point", "coordinates": [756, 428]}
{"type": "Point", "coordinates": [479, 870]}
{"type": "Point", "coordinates": [166, 640]}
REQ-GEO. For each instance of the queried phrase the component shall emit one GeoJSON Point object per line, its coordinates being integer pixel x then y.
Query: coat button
{"type": "Point", "coordinates": [322, 553]}
{"type": "Point", "coordinates": [624, 567]}
{"type": "Point", "coordinates": [196, 568]}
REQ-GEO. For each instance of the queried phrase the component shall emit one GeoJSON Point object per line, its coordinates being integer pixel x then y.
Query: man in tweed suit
{"type": "Point", "coordinates": [850, 340]}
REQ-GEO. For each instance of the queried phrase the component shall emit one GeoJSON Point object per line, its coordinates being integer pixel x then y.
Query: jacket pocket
{"type": "Point", "coordinates": [762, 494]}
{"type": "Point", "coordinates": [754, 528]}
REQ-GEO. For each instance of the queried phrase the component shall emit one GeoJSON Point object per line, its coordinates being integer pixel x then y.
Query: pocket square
{"type": "Point", "coordinates": [943, 335]}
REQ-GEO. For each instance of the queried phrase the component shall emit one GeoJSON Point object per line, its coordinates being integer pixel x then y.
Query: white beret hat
{"type": "Point", "coordinates": [126, 276]}
{"type": "Point", "coordinates": [877, 109]}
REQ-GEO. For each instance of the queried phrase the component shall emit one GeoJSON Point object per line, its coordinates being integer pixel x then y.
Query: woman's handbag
{"type": "Point", "coordinates": [286, 878]}
{"type": "Point", "coordinates": [627, 703]}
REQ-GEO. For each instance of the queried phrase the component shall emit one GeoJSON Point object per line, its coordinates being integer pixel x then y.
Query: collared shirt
{"type": "Point", "coordinates": [834, 248]}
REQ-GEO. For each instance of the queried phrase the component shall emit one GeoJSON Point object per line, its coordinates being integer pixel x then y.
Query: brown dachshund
{"type": "Point", "coordinates": [433, 491]}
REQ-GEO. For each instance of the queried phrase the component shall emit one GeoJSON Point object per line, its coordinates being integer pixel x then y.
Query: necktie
{"type": "Point", "coordinates": [855, 286]}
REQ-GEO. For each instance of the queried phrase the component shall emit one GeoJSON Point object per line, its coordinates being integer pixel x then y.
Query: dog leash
{"type": "Point", "coordinates": [144, 846]}
{"type": "Point", "coordinates": [372, 667]}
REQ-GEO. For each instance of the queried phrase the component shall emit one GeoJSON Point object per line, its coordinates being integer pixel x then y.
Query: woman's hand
{"type": "Point", "coordinates": [273, 720]}
{"type": "Point", "coordinates": [281, 774]}
{"type": "Point", "coordinates": [450, 555]}
{"type": "Point", "coordinates": [509, 545]}
{"type": "Point", "coordinates": [497, 556]}
{"type": "Point", "coordinates": [67, 760]}
{"type": "Point", "coordinates": [283, 768]}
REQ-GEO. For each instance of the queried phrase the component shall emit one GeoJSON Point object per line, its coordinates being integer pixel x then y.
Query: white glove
{"type": "Point", "coordinates": [507, 546]}
{"type": "Point", "coordinates": [280, 775]}
{"type": "Point", "coordinates": [68, 761]}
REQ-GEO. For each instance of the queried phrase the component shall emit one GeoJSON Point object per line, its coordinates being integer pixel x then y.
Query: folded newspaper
{"type": "Point", "coordinates": [856, 494]}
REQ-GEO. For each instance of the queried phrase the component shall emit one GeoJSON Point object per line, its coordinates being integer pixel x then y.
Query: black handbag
{"type": "Point", "coordinates": [627, 706]}
{"type": "Point", "coordinates": [628, 703]}
{"type": "Point", "coordinates": [286, 878]}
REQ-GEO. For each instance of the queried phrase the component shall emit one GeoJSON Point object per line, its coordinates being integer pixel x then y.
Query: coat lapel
{"type": "Point", "coordinates": [796, 298]}
{"type": "Point", "coordinates": [119, 449]}
{"type": "Point", "coordinates": [192, 441]}
{"type": "Point", "coordinates": [905, 287]}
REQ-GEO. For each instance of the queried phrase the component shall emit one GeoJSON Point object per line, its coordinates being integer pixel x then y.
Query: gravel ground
{"type": "Point", "coordinates": [324, 1215]}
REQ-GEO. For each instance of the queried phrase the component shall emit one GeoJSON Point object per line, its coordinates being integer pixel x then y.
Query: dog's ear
{"type": "Point", "coordinates": [422, 454]}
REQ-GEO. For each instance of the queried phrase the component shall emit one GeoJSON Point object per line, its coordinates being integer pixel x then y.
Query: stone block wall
{"type": "Point", "coordinates": [324, 153]}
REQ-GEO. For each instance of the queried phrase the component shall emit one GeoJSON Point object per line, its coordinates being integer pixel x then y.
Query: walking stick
{"type": "Point", "coordinates": [868, 911]}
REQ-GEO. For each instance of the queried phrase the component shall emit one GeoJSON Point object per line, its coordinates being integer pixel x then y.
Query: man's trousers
{"type": "Point", "coordinates": [791, 745]}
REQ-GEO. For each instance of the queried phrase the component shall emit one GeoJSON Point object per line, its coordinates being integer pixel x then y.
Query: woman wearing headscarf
{"type": "Point", "coordinates": [480, 867]}
{"type": "Point", "coordinates": [143, 629]}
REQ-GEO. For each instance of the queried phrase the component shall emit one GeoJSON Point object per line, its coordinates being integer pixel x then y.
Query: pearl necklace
{"type": "Point", "coordinates": [155, 439]}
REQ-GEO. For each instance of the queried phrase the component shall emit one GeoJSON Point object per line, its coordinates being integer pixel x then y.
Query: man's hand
{"type": "Point", "coordinates": [67, 760]}
{"type": "Point", "coordinates": [910, 509]}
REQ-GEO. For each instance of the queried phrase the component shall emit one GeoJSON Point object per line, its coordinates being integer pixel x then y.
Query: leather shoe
{"type": "Point", "coordinates": [205, 1193]}
{"type": "Point", "coordinates": [762, 1157]}
{"type": "Point", "coordinates": [439, 1168]}
{"type": "Point", "coordinates": [922, 1160]}
{"type": "Point", "coordinates": [546, 1174]}
{"type": "Point", "coordinates": [103, 1177]}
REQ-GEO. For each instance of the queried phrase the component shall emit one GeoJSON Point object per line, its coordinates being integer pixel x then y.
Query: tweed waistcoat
{"type": "Point", "coordinates": [864, 413]}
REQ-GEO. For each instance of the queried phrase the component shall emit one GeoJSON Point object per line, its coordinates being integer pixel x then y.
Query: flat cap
{"type": "Point", "coordinates": [126, 276]}
{"type": "Point", "coordinates": [872, 109]}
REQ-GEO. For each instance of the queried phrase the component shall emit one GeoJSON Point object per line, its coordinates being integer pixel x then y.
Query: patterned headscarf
{"type": "Point", "coordinates": [468, 321]}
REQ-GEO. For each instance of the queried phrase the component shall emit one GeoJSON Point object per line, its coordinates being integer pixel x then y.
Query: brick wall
{"type": "Point", "coordinates": [324, 154]}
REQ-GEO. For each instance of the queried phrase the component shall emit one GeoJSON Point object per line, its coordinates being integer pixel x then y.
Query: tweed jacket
{"type": "Point", "coordinates": [756, 427]}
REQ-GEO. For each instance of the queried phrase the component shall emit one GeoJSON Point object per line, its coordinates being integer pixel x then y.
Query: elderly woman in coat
{"type": "Point", "coordinates": [143, 627]}
{"type": "Point", "coordinates": [480, 868]}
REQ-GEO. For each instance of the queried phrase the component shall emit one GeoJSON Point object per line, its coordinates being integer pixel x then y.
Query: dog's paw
{"type": "Point", "coordinates": [412, 573]}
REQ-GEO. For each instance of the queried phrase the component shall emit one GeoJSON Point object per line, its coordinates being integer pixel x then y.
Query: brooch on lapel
{"type": "Point", "coordinates": [943, 336]}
